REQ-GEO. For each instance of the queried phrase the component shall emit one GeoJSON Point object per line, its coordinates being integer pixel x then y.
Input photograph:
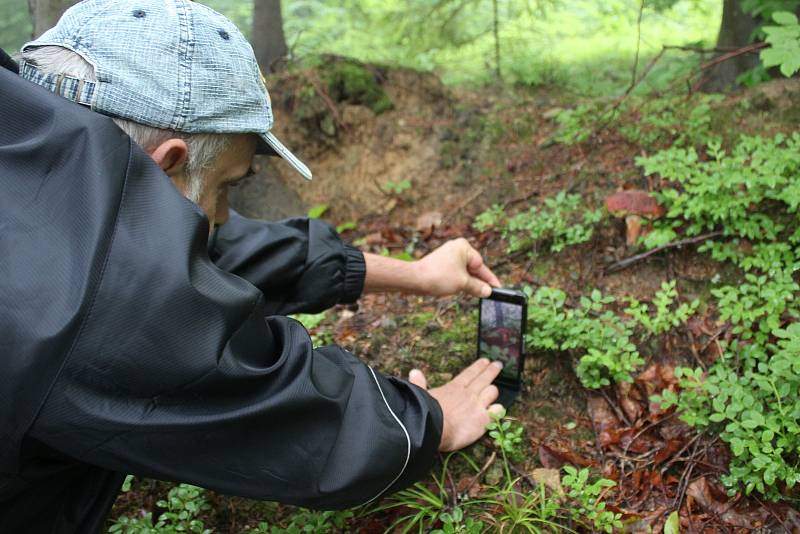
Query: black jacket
{"type": "Point", "coordinates": [125, 349]}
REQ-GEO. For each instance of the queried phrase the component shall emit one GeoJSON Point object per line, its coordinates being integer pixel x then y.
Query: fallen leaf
{"type": "Point", "coordinates": [428, 222]}
{"type": "Point", "coordinates": [375, 238]}
{"type": "Point", "coordinates": [549, 478]}
{"type": "Point", "coordinates": [630, 400]}
{"type": "Point", "coordinates": [712, 499]}
{"type": "Point", "coordinates": [673, 524]}
{"type": "Point", "coordinates": [554, 458]}
{"type": "Point", "coordinates": [667, 451]}
{"type": "Point", "coordinates": [601, 414]}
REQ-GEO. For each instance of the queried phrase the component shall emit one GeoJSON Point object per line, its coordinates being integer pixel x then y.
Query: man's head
{"type": "Point", "coordinates": [176, 76]}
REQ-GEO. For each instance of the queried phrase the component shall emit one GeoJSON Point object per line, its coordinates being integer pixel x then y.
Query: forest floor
{"type": "Point", "coordinates": [413, 176]}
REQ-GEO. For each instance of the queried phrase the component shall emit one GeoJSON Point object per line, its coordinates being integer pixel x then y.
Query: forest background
{"type": "Point", "coordinates": [577, 42]}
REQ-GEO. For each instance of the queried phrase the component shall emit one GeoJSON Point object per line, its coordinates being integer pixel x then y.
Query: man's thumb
{"type": "Point", "coordinates": [417, 378]}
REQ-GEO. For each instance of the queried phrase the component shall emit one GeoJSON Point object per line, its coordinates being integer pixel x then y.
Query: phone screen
{"type": "Point", "coordinates": [500, 335]}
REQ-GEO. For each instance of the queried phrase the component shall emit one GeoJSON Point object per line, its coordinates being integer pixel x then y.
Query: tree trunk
{"type": "Point", "coordinates": [45, 13]}
{"type": "Point", "coordinates": [735, 32]}
{"type": "Point", "coordinates": [269, 42]}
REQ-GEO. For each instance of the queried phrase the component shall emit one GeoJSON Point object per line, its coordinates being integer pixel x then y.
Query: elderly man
{"type": "Point", "coordinates": [145, 333]}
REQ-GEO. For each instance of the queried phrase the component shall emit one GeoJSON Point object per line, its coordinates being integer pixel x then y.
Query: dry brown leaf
{"type": "Point", "coordinates": [711, 498]}
{"type": "Point", "coordinates": [549, 478]}
{"type": "Point", "coordinates": [554, 457]}
{"type": "Point", "coordinates": [630, 400]}
{"type": "Point", "coordinates": [428, 222]}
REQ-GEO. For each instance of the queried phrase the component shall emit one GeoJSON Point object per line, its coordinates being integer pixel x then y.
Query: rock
{"type": "Point", "coordinates": [265, 195]}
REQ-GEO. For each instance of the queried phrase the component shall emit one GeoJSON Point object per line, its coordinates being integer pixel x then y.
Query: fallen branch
{"type": "Point", "coordinates": [627, 262]}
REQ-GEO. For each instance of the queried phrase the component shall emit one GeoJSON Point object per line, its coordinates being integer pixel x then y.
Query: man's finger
{"type": "Point", "coordinates": [417, 378]}
{"type": "Point", "coordinates": [478, 288]}
{"type": "Point", "coordinates": [486, 274]}
{"type": "Point", "coordinates": [488, 395]}
{"type": "Point", "coordinates": [486, 377]}
{"type": "Point", "coordinates": [497, 409]}
{"type": "Point", "coordinates": [477, 267]}
{"type": "Point", "coordinates": [465, 377]}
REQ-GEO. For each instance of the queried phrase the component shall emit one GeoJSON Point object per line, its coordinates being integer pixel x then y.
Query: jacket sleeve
{"type": "Point", "coordinates": [301, 265]}
{"type": "Point", "coordinates": [176, 371]}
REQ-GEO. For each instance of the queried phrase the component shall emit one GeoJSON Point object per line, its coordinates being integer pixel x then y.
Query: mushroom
{"type": "Point", "coordinates": [633, 205]}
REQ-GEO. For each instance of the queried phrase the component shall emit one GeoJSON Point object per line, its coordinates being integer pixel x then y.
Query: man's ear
{"type": "Point", "coordinates": [171, 156]}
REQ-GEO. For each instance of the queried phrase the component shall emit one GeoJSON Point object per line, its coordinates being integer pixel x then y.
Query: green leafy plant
{"type": "Point", "coordinates": [423, 505]}
{"type": "Point", "coordinates": [593, 332]}
{"type": "Point", "coordinates": [346, 227]}
{"type": "Point", "coordinates": [183, 506]}
{"type": "Point", "coordinates": [513, 510]}
{"type": "Point", "coordinates": [560, 222]}
{"type": "Point", "coordinates": [752, 398]}
{"type": "Point", "coordinates": [670, 120]}
{"type": "Point", "coordinates": [456, 523]}
{"type": "Point", "coordinates": [749, 395]}
{"type": "Point", "coordinates": [784, 39]}
{"type": "Point", "coordinates": [507, 438]}
{"type": "Point", "coordinates": [666, 316]}
{"type": "Point", "coordinates": [730, 192]}
{"type": "Point", "coordinates": [576, 125]}
{"type": "Point", "coordinates": [588, 496]}
{"type": "Point", "coordinates": [318, 211]}
{"type": "Point", "coordinates": [313, 323]}
{"type": "Point", "coordinates": [673, 524]}
{"type": "Point", "coordinates": [397, 188]}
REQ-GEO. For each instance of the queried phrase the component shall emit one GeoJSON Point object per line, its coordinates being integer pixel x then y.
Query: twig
{"type": "Point", "coordinates": [695, 353]}
{"type": "Point", "coordinates": [327, 99]}
{"type": "Point", "coordinates": [627, 262]}
{"type": "Point", "coordinates": [638, 43]}
{"type": "Point", "coordinates": [773, 514]}
{"type": "Point", "coordinates": [734, 53]}
{"type": "Point", "coordinates": [685, 479]}
{"type": "Point", "coordinates": [480, 473]}
{"type": "Point", "coordinates": [457, 210]}
{"type": "Point", "coordinates": [496, 31]}
{"type": "Point", "coordinates": [728, 53]}
{"type": "Point", "coordinates": [617, 411]}
{"type": "Point", "coordinates": [453, 489]}
{"type": "Point", "coordinates": [525, 476]}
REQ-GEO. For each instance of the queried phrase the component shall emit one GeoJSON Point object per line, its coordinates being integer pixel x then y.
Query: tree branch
{"type": "Point", "coordinates": [627, 262]}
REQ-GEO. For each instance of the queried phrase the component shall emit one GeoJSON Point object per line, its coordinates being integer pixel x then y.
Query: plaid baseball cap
{"type": "Point", "coordinates": [172, 64]}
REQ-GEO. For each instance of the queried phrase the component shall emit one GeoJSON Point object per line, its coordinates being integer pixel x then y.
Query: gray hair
{"type": "Point", "coordinates": [203, 149]}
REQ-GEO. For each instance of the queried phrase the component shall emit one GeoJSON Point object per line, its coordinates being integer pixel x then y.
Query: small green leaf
{"type": "Point", "coordinates": [318, 211]}
{"type": "Point", "coordinates": [785, 18]}
{"type": "Point", "coordinates": [673, 524]}
{"type": "Point", "coordinates": [346, 226]}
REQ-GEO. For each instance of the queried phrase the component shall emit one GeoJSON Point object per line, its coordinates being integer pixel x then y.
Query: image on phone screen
{"type": "Point", "coordinates": [500, 330]}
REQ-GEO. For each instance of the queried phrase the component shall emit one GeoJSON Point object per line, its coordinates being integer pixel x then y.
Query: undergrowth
{"type": "Point", "coordinates": [743, 203]}
{"type": "Point", "coordinates": [560, 222]}
{"type": "Point", "coordinates": [507, 506]}
{"type": "Point", "coordinates": [749, 396]}
{"type": "Point", "coordinates": [649, 123]}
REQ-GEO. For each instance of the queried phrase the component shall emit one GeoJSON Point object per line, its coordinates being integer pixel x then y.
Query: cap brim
{"type": "Point", "coordinates": [272, 146]}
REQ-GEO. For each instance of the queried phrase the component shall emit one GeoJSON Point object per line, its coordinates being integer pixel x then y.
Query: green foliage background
{"type": "Point", "coordinates": [572, 42]}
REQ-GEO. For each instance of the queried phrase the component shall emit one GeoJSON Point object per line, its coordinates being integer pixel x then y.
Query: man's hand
{"type": "Point", "coordinates": [453, 268]}
{"type": "Point", "coordinates": [456, 267]}
{"type": "Point", "coordinates": [466, 402]}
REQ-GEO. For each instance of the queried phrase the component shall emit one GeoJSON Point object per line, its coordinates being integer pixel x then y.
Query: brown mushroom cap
{"type": "Point", "coordinates": [634, 202]}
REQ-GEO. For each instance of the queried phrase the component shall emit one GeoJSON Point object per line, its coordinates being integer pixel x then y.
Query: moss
{"type": "Point", "coordinates": [354, 83]}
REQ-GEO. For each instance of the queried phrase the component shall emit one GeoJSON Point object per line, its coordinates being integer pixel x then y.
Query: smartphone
{"type": "Point", "coordinates": [502, 321]}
